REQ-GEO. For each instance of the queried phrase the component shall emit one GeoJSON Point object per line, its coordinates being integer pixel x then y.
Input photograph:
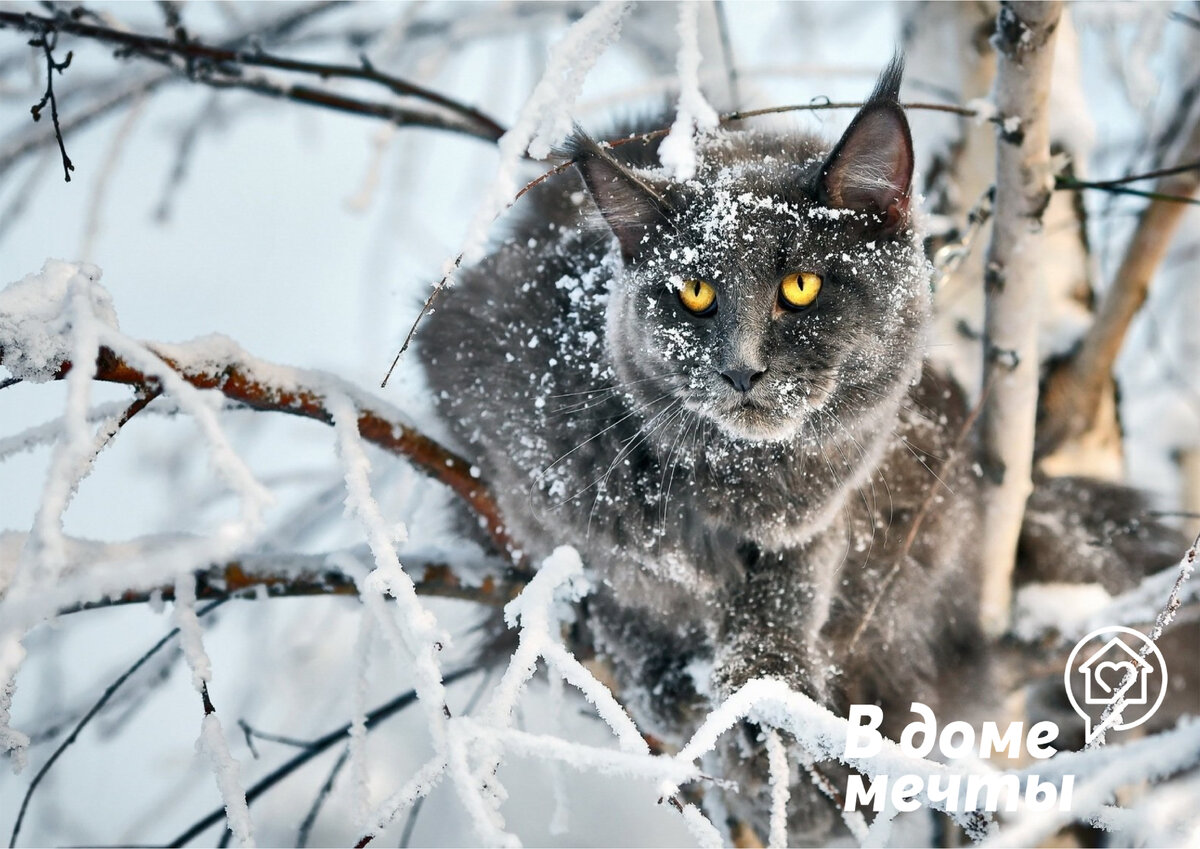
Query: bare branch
{"type": "Point", "coordinates": [47, 40]}
{"type": "Point", "coordinates": [90, 715]}
{"type": "Point", "coordinates": [222, 67]}
{"type": "Point", "coordinates": [295, 576]}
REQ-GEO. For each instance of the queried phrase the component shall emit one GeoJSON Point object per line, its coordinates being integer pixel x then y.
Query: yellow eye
{"type": "Point", "coordinates": [698, 297]}
{"type": "Point", "coordinates": [799, 290]}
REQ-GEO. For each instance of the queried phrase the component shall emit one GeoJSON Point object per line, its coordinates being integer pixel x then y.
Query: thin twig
{"type": "Point", "coordinates": [315, 748]}
{"type": "Point", "coordinates": [310, 818]}
{"type": "Point", "coordinates": [202, 61]}
{"type": "Point", "coordinates": [47, 40]}
{"type": "Point", "coordinates": [90, 715]}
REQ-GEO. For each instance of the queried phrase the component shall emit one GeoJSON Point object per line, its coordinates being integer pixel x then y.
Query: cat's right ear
{"type": "Point", "coordinates": [631, 204]}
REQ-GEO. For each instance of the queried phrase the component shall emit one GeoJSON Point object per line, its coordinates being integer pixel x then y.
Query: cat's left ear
{"type": "Point", "coordinates": [633, 205]}
{"type": "Point", "coordinates": [870, 170]}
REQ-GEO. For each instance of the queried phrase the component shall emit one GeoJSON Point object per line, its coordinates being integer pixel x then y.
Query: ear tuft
{"type": "Point", "coordinates": [870, 169]}
{"type": "Point", "coordinates": [630, 203]}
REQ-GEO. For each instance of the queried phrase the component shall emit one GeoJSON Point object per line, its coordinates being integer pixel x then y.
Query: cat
{"type": "Point", "coordinates": [716, 390]}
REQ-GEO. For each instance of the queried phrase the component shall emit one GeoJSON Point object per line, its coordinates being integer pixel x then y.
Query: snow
{"type": "Point", "coordinates": [545, 118]}
{"type": "Point", "coordinates": [1061, 608]}
{"type": "Point", "coordinates": [777, 765]}
{"type": "Point", "coordinates": [37, 311]}
{"type": "Point", "coordinates": [693, 114]}
{"type": "Point", "coordinates": [37, 334]}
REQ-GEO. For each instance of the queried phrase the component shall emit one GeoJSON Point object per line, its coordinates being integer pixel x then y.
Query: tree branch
{"type": "Point", "coordinates": [239, 378]}
{"type": "Point", "coordinates": [313, 749]}
{"type": "Point", "coordinates": [223, 67]}
{"type": "Point", "coordinates": [1025, 35]}
{"type": "Point", "coordinates": [1076, 385]}
{"type": "Point", "coordinates": [313, 576]}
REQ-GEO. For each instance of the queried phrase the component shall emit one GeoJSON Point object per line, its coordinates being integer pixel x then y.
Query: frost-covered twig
{"type": "Point", "coordinates": [91, 714]}
{"type": "Point", "coordinates": [1115, 707]}
{"type": "Point", "coordinates": [212, 741]}
{"type": "Point", "coordinates": [221, 365]}
{"type": "Point", "coordinates": [312, 750]}
{"type": "Point", "coordinates": [1025, 34]}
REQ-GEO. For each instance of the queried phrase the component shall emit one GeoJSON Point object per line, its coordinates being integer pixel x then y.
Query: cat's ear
{"type": "Point", "coordinates": [870, 170]}
{"type": "Point", "coordinates": [632, 204]}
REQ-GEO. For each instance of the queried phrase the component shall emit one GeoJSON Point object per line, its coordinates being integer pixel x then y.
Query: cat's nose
{"type": "Point", "coordinates": [742, 379]}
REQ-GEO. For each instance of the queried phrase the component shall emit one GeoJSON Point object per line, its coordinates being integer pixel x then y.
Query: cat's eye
{"type": "Point", "coordinates": [798, 291]}
{"type": "Point", "coordinates": [698, 297]}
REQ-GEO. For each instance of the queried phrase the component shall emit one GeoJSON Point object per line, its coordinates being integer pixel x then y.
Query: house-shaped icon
{"type": "Point", "coordinates": [1106, 669]}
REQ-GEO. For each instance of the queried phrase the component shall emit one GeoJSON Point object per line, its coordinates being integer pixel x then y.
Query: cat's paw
{"type": "Point", "coordinates": [746, 659]}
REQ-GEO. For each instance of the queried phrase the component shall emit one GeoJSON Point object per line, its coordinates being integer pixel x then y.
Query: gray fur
{"type": "Point", "coordinates": [750, 535]}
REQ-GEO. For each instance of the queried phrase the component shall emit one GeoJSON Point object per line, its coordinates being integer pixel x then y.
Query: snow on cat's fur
{"type": "Point", "coordinates": [760, 488]}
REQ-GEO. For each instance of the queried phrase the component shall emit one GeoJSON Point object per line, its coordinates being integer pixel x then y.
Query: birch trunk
{"type": "Point", "coordinates": [1025, 36]}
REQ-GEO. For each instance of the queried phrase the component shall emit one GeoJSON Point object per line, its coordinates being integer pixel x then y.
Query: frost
{"type": "Point", "coordinates": [544, 119]}
{"type": "Point", "coordinates": [694, 114]}
{"type": "Point", "coordinates": [37, 314]}
{"type": "Point", "coordinates": [213, 744]}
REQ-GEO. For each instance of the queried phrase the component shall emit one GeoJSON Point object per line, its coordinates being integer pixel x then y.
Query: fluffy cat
{"type": "Point", "coordinates": [715, 390]}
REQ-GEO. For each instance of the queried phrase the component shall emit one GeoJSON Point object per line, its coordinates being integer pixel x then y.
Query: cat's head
{"type": "Point", "coordinates": [780, 293]}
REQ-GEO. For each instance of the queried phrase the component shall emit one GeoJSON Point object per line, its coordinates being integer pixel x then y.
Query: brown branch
{"type": "Point", "coordinates": [245, 579]}
{"type": "Point", "coordinates": [1075, 386]}
{"type": "Point", "coordinates": [238, 382]}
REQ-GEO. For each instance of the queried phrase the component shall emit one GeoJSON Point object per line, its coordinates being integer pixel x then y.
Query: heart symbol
{"type": "Point", "coordinates": [1124, 665]}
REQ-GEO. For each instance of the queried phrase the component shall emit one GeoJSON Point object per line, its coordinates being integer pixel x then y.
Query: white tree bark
{"type": "Point", "coordinates": [1025, 34]}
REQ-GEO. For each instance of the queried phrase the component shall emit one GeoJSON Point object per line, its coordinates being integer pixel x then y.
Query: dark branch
{"type": "Point", "coordinates": [223, 67]}
{"type": "Point", "coordinates": [90, 715]}
{"type": "Point", "coordinates": [241, 579]}
{"type": "Point", "coordinates": [47, 40]}
{"type": "Point", "coordinates": [316, 747]}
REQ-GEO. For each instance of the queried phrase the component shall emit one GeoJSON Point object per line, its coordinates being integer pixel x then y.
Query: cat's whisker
{"type": "Point", "coordinates": [615, 387]}
{"type": "Point", "coordinates": [630, 445]}
{"type": "Point", "coordinates": [537, 482]}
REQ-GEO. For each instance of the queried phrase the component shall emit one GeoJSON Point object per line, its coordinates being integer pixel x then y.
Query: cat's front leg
{"type": "Point", "coordinates": [772, 623]}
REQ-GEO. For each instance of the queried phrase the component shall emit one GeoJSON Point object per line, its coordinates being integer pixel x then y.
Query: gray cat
{"type": "Point", "coordinates": [716, 391]}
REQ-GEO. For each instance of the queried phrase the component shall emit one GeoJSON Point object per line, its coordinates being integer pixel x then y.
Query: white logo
{"type": "Point", "coordinates": [1121, 676]}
